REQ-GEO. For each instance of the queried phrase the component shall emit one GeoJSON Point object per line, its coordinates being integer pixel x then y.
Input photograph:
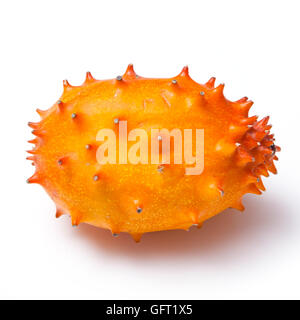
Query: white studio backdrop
{"type": "Point", "coordinates": [251, 46]}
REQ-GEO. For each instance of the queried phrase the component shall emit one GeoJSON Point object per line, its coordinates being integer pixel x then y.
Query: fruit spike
{"type": "Point", "coordinates": [238, 150]}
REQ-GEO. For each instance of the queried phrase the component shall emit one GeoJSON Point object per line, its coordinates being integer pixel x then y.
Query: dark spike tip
{"type": "Point", "coordinates": [211, 83]}
{"type": "Point", "coordinates": [160, 168]}
{"type": "Point", "coordinates": [66, 84]}
{"type": "Point", "coordinates": [33, 179]}
{"type": "Point", "coordinates": [89, 77]}
{"type": "Point", "coordinates": [274, 149]}
{"type": "Point", "coordinates": [242, 100]}
{"type": "Point", "coordinates": [37, 132]}
{"type": "Point", "coordinates": [59, 104]}
{"type": "Point", "coordinates": [185, 71]}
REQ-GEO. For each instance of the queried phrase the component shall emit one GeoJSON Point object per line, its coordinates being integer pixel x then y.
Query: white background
{"type": "Point", "coordinates": [252, 46]}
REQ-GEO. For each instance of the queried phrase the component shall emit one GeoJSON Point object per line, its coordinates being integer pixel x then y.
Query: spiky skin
{"type": "Point", "coordinates": [140, 198]}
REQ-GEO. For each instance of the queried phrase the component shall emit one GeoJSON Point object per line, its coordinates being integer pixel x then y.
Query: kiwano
{"type": "Point", "coordinates": [138, 197]}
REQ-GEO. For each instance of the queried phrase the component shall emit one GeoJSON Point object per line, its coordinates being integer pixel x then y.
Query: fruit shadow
{"type": "Point", "coordinates": [227, 232]}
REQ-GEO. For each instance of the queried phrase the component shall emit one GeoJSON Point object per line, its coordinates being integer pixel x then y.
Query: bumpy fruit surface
{"type": "Point", "coordinates": [139, 198]}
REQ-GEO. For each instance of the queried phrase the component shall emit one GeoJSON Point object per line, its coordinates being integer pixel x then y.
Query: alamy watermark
{"type": "Point", "coordinates": [158, 145]}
